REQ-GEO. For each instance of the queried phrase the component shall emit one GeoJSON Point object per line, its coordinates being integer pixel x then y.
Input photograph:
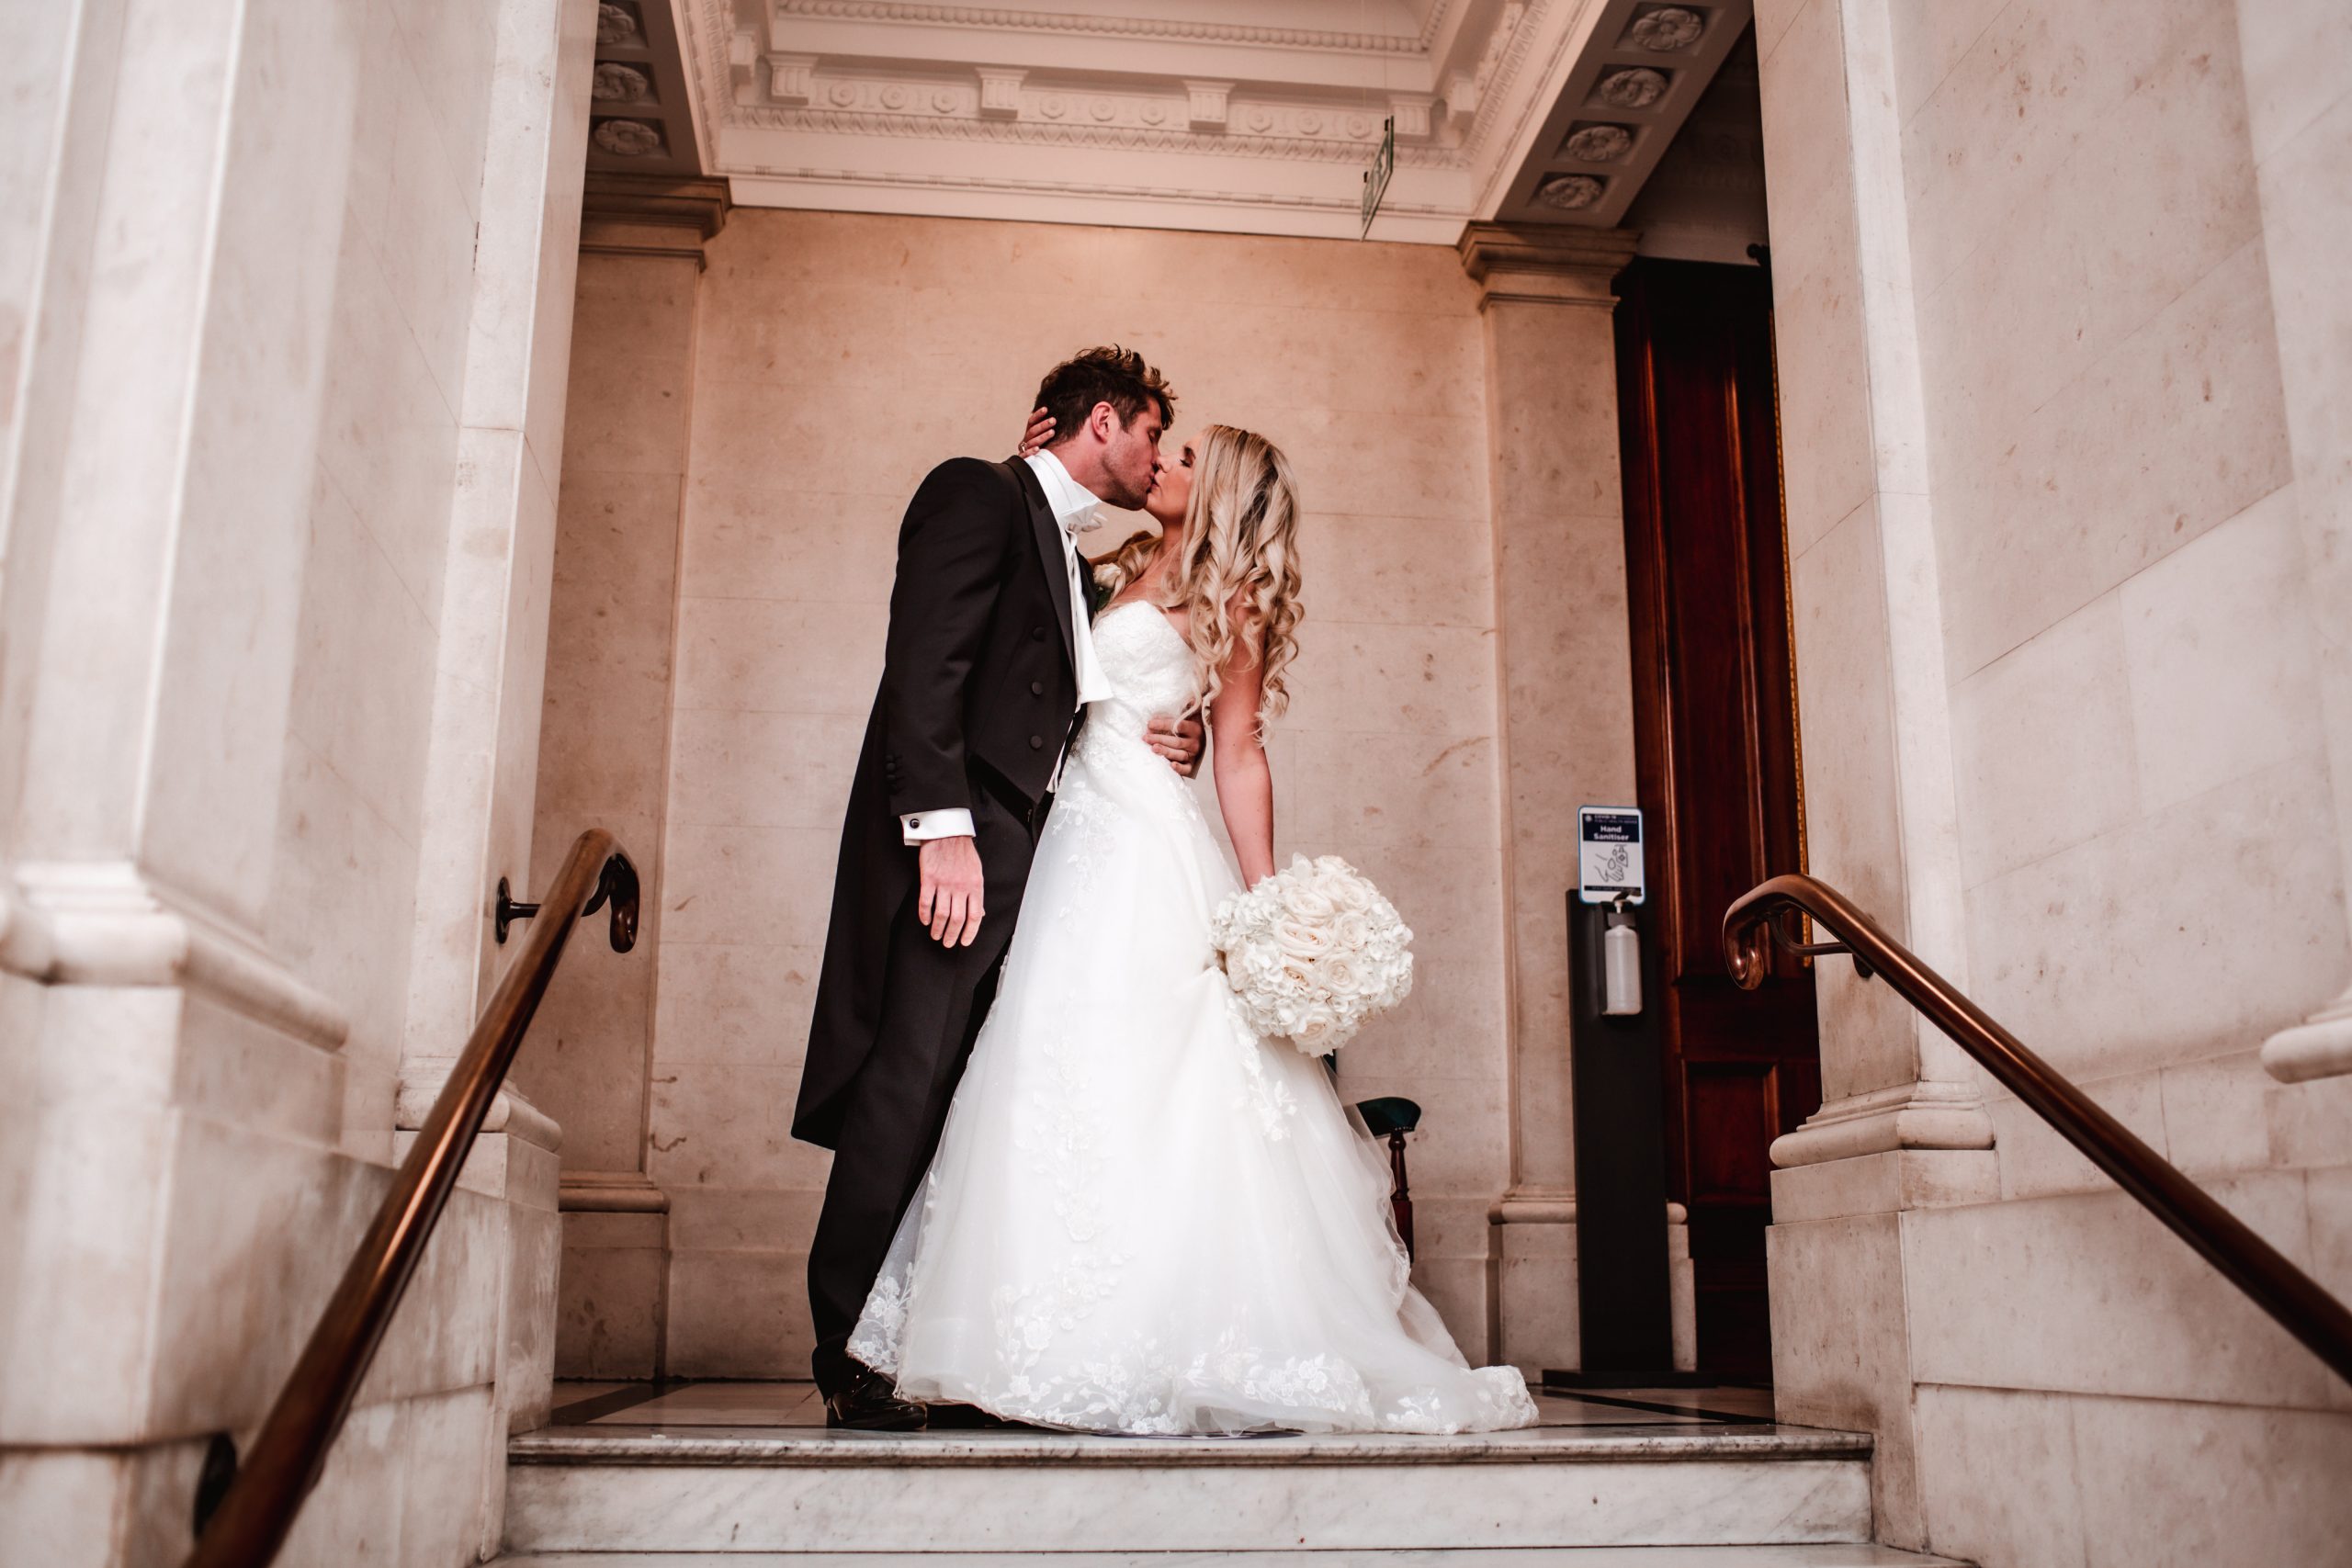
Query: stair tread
{"type": "Point", "coordinates": [790, 1446]}
{"type": "Point", "coordinates": [1825, 1556]}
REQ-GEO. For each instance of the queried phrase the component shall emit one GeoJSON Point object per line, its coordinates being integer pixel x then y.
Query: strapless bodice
{"type": "Point", "coordinates": [1148, 664]}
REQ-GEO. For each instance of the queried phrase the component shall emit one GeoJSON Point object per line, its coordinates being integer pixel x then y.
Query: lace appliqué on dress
{"type": "Point", "coordinates": [1261, 1095]}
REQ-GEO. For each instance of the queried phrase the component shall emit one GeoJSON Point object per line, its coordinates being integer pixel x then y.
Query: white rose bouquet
{"type": "Point", "coordinates": [1312, 952]}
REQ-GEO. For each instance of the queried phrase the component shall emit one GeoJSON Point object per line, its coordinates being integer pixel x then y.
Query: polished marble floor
{"type": "Point", "coordinates": [789, 1405]}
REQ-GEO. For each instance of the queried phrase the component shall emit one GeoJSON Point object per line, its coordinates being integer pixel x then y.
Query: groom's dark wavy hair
{"type": "Point", "coordinates": [1113, 375]}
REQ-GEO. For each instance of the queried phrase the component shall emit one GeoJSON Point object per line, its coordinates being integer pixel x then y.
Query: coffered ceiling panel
{"type": "Point", "coordinates": [1238, 115]}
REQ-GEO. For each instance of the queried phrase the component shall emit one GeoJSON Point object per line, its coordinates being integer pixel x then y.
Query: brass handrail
{"type": "Point", "coordinates": [2285, 1291]}
{"type": "Point", "coordinates": [290, 1450]}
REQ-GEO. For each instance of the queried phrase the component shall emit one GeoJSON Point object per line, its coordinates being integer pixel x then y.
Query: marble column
{"type": "Point", "coordinates": [606, 707]}
{"type": "Point", "coordinates": [156, 525]}
{"type": "Point", "coordinates": [1901, 1124]}
{"type": "Point", "coordinates": [224, 506]}
{"type": "Point", "coordinates": [2297, 61]}
{"type": "Point", "coordinates": [1566, 705]}
{"type": "Point", "coordinates": [482, 756]}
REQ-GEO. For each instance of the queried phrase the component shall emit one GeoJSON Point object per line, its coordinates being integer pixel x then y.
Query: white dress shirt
{"type": "Point", "coordinates": [1074, 507]}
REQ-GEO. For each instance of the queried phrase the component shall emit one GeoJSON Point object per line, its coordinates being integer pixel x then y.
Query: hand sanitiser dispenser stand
{"type": "Point", "coordinates": [1623, 1303]}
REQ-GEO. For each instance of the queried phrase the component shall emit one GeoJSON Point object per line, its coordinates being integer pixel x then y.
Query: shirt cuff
{"type": "Point", "coordinates": [955, 822]}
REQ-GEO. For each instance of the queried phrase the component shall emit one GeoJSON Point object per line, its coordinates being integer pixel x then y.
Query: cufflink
{"type": "Point", "coordinates": [914, 821]}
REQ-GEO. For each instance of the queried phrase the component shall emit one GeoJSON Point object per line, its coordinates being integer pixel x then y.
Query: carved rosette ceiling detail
{"type": "Point", "coordinates": [1138, 113]}
{"type": "Point", "coordinates": [1666, 31]}
{"type": "Point", "coordinates": [1569, 192]}
{"type": "Point", "coordinates": [615, 24]}
{"type": "Point", "coordinates": [627, 138]}
{"type": "Point", "coordinates": [1621, 107]}
{"type": "Point", "coordinates": [640, 94]}
{"type": "Point", "coordinates": [1635, 89]}
{"type": "Point", "coordinates": [616, 82]}
{"type": "Point", "coordinates": [1597, 143]}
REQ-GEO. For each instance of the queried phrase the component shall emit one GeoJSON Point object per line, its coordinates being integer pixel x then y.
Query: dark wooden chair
{"type": "Point", "coordinates": [1392, 1116]}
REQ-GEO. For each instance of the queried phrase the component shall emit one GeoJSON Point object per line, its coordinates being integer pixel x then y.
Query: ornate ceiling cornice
{"type": "Point", "coordinates": [1117, 135]}
{"type": "Point", "coordinates": [1000, 20]}
{"type": "Point", "coordinates": [813, 102]}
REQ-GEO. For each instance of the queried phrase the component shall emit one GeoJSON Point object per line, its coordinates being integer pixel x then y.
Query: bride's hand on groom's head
{"type": "Point", "coordinates": [1040, 431]}
{"type": "Point", "coordinates": [1179, 740]}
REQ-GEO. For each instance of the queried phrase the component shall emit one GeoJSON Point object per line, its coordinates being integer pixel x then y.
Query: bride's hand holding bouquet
{"type": "Point", "coordinates": [1312, 952]}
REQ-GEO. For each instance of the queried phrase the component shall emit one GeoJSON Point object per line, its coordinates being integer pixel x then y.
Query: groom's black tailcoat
{"type": "Point", "coordinates": [978, 700]}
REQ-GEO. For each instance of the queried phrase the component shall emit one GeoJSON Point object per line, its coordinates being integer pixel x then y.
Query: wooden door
{"type": "Point", "coordinates": [1717, 749]}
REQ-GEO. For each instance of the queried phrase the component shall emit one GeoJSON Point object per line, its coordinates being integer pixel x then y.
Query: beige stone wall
{"type": "Point", "coordinates": [837, 357]}
{"type": "Point", "coordinates": [2060, 645]}
{"type": "Point", "coordinates": [2146, 839]}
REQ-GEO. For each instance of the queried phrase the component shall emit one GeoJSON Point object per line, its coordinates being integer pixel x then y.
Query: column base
{"type": "Point", "coordinates": [1926, 1114]}
{"type": "Point", "coordinates": [612, 1316]}
{"type": "Point", "coordinates": [2319, 1047]}
{"type": "Point", "coordinates": [1536, 1245]}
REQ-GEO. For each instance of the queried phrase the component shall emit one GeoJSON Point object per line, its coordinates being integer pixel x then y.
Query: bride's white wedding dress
{"type": "Point", "coordinates": [1140, 1217]}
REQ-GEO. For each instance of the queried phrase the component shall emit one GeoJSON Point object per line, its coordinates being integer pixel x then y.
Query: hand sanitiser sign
{"type": "Point", "coordinates": [1608, 853]}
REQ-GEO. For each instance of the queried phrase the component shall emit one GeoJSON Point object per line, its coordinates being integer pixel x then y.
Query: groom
{"type": "Point", "coordinates": [988, 666]}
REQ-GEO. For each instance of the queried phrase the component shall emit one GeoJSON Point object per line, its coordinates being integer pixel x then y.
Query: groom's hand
{"type": "Point", "coordinates": [954, 890]}
{"type": "Point", "coordinates": [1179, 740]}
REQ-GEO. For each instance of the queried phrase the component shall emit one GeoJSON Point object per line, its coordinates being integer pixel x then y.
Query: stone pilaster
{"type": "Point", "coordinates": [2298, 114]}
{"type": "Point", "coordinates": [1902, 1126]}
{"type": "Point", "coordinates": [1546, 299]}
{"type": "Point", "coordinates": [641, 254]}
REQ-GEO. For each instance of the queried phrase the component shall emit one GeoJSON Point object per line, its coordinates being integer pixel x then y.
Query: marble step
{"type": "Point", "coordinates": [1826, 1556]}
{"type": "Point", "coordinates": [782, 1490]}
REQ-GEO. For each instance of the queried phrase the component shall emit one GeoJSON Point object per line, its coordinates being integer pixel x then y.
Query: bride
{"type": "Point", "coordinates": [1142, 1218]}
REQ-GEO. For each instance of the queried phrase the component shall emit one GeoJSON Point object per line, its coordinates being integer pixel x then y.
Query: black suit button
{"type": "Point", "coordinates": [1036, 743]}
{"type": "Point", "coordinates": [1037, 634]}
{"type": "Point", "coordinates": [1036, 688]}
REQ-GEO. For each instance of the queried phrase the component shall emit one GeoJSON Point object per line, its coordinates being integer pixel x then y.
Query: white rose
{"type": "Point", "coordinates": [1298, 941]}
{"type": "Point", "coordinates": [1304, 901]}
{"type": "Point", "coordinates": [1339, 973]}
{"type": "Point", "coordinates": [1313, 1029]}
{"type": "Point", "coordinates": [1352, 931]}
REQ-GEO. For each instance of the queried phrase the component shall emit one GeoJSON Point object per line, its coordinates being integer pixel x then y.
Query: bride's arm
{"type": "Point", "coordinates": [1245, 786]}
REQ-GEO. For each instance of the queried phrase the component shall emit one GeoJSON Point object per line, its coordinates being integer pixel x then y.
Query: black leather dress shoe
{"type": "Point", "coordinates": [871, 1403]}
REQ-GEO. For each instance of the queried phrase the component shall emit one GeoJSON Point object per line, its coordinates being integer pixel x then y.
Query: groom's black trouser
{"type": "Point", "coordinates": [935, 1001]}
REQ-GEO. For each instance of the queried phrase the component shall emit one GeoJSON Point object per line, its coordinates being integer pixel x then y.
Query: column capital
{"type": "Point", "coordinates": [653, 215]}
{"type": "Point", "coordinates": [1528, 263]}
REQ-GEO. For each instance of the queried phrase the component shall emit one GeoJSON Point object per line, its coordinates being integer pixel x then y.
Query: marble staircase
{"type": "Point", "coordinates": [1597, 1485]}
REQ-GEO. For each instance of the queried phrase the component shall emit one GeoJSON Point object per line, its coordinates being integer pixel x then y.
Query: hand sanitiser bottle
{"type": "Point", "coordinates": [1621, 954]}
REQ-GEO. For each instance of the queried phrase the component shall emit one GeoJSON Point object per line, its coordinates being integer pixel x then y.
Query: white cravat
{"type": "Point", "coordinates": [1074, 507]}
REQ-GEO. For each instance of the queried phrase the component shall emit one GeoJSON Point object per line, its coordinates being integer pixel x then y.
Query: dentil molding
{"type": "Point", "coordinates": [1000, 19]}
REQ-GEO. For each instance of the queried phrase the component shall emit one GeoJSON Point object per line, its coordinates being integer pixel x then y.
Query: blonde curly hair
{"type": "Point", "coordinates": [1235, 572]}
